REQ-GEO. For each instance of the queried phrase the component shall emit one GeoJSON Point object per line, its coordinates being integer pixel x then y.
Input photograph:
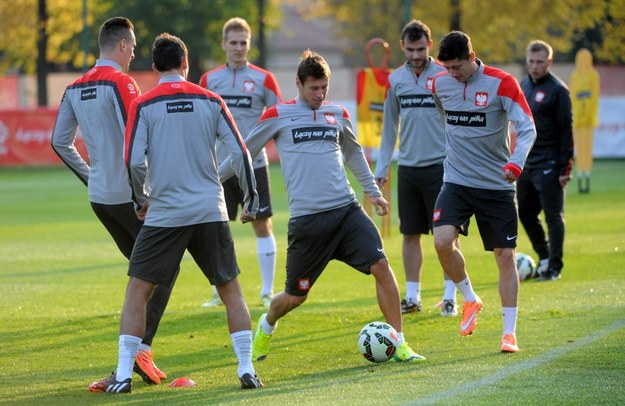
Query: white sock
{"type": "Point", "coordinates": [242, 344]}
{"type": "Point", "coordinates": [145, 347]}
{"type": "Point", "coordinates": [128, 346]}
{"type": "Point", "coordinates": [467, 290]}
{"type": "Point", "coordinates": [215, 293]}
{"type": "Point", "coordinates": [450, 290]}
{"type": "Point", "coordinates": [413, 291]}
{"type": "Point", "coordinates": [268, 328]}
{"type": "Point", "coordinates": [266, 252]}
{"type": "Point", "coordinates": [509, 315]}
{"type": "Point", "coordinates": [400, 337]}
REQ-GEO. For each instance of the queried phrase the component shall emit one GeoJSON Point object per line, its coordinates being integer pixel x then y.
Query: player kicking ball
{"type": "Point", "coordinates": [313, 137]}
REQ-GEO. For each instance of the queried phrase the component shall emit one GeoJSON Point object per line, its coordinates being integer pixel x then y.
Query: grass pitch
{"type": "Point", "coordinates": [62, 283]}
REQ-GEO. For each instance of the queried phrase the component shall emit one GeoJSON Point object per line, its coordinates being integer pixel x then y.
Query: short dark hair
{"type": "Point", "coordinates": [168, 52]}
{"type": "Point", "coordinates": [414, 30]}
{"type": "Point", "coordinates": [454, 45]}
{"type": "Point", "coordinates": [312, 64]}
{"type": "Point", "coordinates": [114, 30]}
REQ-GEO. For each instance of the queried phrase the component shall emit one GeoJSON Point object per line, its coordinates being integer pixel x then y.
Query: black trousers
{"type": "Point", "coordinates": [539, 190]}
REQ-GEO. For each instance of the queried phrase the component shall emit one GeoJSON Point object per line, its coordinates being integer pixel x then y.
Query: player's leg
{"type": "Point", "coordinates": [265, 239]}
{"type": "Point", "coordinates": [360, 246]}
{"type": "Point", "coordinates": [452, 212]}
{"type": "Point", "coordinates": [529, 200]}
{"type": "Point", "coordinates": [552, 197]}
{"type": "Point", "coordinates": [410, 208]}
{"type": "Point", "coordinates": [212, 248]}
{"type": "Point", "coordinates": [123, 225]}
{"type": "Point", "coordinates": [155, 258]}
{"type": "Point", "coordinates": [132, 327]}
{"type": "Point", "coordinates": [497, 220]}
{"type": "Point", "coordinates": [431, 181]}
{"type": "Point", "coordinates": [508, 292]}
{"type": "Point", "coordinates": [233, 196]}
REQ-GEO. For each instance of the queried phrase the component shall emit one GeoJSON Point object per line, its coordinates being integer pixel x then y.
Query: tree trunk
{"type": "Point", "coordinates": [262, 48]}
{"type": "Point", "coordinates": [455, 15]}
{"type": "Point", "coordinates": [42, 47]}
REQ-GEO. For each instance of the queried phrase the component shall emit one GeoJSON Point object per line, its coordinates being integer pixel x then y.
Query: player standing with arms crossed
{"type": "Point", "coordinates": [171, 134]}
{"type": "Point", "coordinates": [247, 90]}
{"type": "Point", "coordinates": [98, 103]}
{"type": "Point", "coordinates": [409, 101]}
{"type": "Point", "coordinates": [477, 103]}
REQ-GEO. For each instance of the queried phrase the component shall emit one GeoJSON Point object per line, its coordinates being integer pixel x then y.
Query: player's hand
{"type": "Point", "coordinates": [564, 180]}
{"type": "Point", "coordinates": [380, 182]}
{"type": "Point", "coordinates": [142, 211]}
{"type": "Point", "coordinates": [381, 205]}
{"type": "Point", "coordinates": [509, 176]}
{"type": "Point", "coordinates": [247, 217]}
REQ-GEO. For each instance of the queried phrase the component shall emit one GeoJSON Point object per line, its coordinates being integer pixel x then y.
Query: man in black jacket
{"type": "Point", "coordinates": [548, 168]}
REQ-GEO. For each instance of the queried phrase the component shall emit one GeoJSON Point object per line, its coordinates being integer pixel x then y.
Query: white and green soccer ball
{"type": "Point", "coordinates": [526, 266]}
{"type": "Point", "coordinates": [378, 341]}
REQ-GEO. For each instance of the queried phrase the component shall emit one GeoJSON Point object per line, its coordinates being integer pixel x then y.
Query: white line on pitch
{"type": "Point", "coordinates": [520, 367]}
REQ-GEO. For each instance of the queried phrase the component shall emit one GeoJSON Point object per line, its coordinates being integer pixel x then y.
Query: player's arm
{"type": "Point", "coordinates": [63, 140]}
{"type": "Point", "coordinates": [565, 123]}
{"type": "Point", "coordinates": [128, 91]}
{"type": "Point", "coordinates": [261, 134]}
{"type": "Point", "coordinates": [355, 159]}
{"type": "Point", "coordinates": [389, 136]}
{"type": "Point", "coordinates": [136, 141]}
{"type": "Point", "coordinates": [240, 161]}
{"type": "Point", "coordinates": [515, 104]}
{"type": "Point", "coordinates": [272, 93]}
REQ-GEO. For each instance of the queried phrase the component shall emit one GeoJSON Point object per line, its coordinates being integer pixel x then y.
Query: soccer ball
{"type": "Point", "coordinates": [378, 341]}
{"type": "Point", "coordinates": [526, 266]}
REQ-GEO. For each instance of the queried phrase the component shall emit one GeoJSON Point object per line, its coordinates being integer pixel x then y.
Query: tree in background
{"type": "Point", "coordinates": [499, 29]}
{"type": "Point", "coordinates": [197, 22]}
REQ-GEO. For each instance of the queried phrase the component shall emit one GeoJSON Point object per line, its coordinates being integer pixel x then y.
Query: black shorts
{"type": "Point", "coordinates": [159, 250]}
{"type": "Point", "coordinates": [417, 190]}
{"type": "Point", "coordinates": [234, 195]}
{"type": "Point", "coordinates": [495, 213]}
{"type": "Point", "coordinates": [346, 234]}
{"type": "Point", "coordinates": [121, 221]}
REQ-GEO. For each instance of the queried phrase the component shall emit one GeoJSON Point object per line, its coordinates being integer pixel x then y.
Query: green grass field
{"type": "Point", "coordinates": [62, 284]}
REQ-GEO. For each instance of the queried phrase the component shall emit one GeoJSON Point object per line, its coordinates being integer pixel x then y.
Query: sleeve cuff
{"type": "Point", "coordinates": [513, 168]}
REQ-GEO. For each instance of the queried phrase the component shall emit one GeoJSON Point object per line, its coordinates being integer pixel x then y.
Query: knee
{"type": "Point", "coordinates": [380, 268]}
{"type": "Point", "coordinates": [443, 245]}
{"type": "Point", "coordinates": [505, 256]}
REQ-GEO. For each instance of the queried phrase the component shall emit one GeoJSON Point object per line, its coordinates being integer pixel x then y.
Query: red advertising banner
{"type": "Point", "coordinates": [25, 138]}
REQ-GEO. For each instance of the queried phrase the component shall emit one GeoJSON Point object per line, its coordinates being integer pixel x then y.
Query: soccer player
{"type": "Point", "coordinates": [541, 186]}
{"type": "Point", "coordinates": [171, 136]}
{"type": "Point", "coordinates": [98, 103]}
{"type": "Point", "coordinates": [421, 153]}
{"type": "Point", "coordinates": [247, 90]}
{"type": "Point", "coordinates": [477, 102]}
{"type": "Point", "coordinates": [313, 137]}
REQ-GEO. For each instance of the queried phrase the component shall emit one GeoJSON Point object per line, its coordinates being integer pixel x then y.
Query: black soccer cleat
{"type": "Point", "coordinates": [250, 382]}
{"type": "Point", "coordinates": [112, 385]}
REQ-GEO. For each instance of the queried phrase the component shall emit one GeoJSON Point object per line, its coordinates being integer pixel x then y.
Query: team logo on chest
{"type": "Point", "coordinates": [540, 96]}
{"type": "Point", "coordinates": [481, 99]}
{"type": "Point", "coordinates": [249, 86]}
{"type": "Point", "coordinates": [330, 119]}
{"type": "Point", "coordinates": [428, 83]}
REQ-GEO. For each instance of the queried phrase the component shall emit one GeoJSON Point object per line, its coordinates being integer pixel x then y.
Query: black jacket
{"type": "Point", "coordinates": [550, 103]}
